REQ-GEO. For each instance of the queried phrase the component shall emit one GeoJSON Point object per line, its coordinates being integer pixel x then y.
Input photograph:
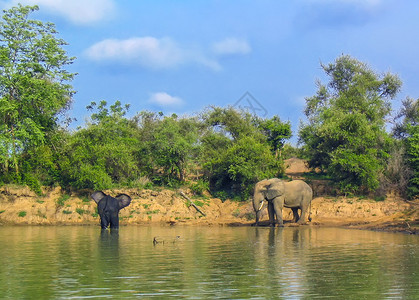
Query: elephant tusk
{"type": "Point", "coordinates": [261, 205]}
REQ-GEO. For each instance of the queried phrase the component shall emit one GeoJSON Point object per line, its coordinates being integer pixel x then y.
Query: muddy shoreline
{"type": "Point", "coordinates": [20, 206]}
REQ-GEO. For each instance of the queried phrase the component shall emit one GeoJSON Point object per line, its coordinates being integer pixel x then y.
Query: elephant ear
{"type": "Point", "coordinates": [274, 189]}
{"type": "Point", "coordinates": [271, 194]}
{"type": "Point", "coordinates": [97, 196]}
{"type": "Point", "coordinates": [123, 200]}
{"type": "Point", "coordinates": [259, 195]}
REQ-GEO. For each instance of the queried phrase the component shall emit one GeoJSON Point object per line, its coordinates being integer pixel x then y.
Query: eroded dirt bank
{"type": "Point", "coordinates": [22, 206]}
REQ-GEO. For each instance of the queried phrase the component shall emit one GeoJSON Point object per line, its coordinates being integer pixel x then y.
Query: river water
{"type": "Point", "coordinates": [73, 262]}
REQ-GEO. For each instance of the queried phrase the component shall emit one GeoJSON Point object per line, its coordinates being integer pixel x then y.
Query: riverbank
{"type": "Point", "coordinates": [21, 206]}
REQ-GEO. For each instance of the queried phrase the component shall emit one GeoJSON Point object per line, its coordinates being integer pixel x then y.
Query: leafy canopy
{"type": "Point", "coordinates": [104, 152]}
{"type": "Point", "coordinates": [408, 132]}
{"type": "Point", "coordinates": [34, 84]}
{"type": "Point", "coordinates": [170, 144]}
{"type": "Point", "coordinates": [239, 149]}
{"type": "Point", "coordinates": [345, 134]}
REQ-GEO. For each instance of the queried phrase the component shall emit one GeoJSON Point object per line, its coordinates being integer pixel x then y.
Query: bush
{"type": "Point", "coordinates": [62, 199]}
{"type": "Point", "coordinates": [81, 211]}
{"type": "Point", "coordinates": [241, 165]}
{"type": "Point", "coordinates": [199, 187]}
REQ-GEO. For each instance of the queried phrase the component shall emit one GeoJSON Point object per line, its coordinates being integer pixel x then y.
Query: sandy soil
{"type": "Point", "coordinates": [21, 206]}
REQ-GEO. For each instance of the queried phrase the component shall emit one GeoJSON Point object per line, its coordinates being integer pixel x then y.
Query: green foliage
{"type": "Point", "coordinates": [22, 214]}
{"type": "Point", "coordinates": [228, 150]}
{"type": "Point", "coordinates": [32, 182]}
{"type": "Point", "coordinates": [103, 153]}
{"type": "Point", "coordinates": [173, 147]}
{"type": "Point", "coordinates": [290, 151]}
{"type": "Point", "coordinates": [168, 147]}
{"type": "Point", "coordinates": [236, 152]}
{"type": "Point", "coordinates": [200, 187]}
{"type": "Point", "coordinates": [62, 199]}
{"type": "Point", "coordinates": [412, 147]}
{"type": "Point", "coordinates": [345, 134]}
{"type": "Point", "coordinates": [81, 211]}
{"type": "Point", "coordinates": [34, 88]}
{"type": "Point", "coordinates": [276, 132]}
{"type": "Point", "coordinates": [142, 182]}
{"type": "Point", "coordinates": [199, 203]}
{"type": "Point", "coordinates": [380, 198]}
{"type": "Point", "coordinates": [408, 132]}
{"type": "Point", "coordinates": [43, 162]}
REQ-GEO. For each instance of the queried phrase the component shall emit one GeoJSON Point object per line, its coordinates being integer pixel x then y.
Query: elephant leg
{"type": "Point", "coordinates": [104, 220]}
{"type": "Point", "coordinates": [271, 212]}
{"type": "Point", "coordinates": [114, 221]}
{"type": "Point", "coordinates": [295, 213]}
{"type": "Point", "coordinates": [278, 204]}
{"type": "Point", "coordinates": [304, 211]}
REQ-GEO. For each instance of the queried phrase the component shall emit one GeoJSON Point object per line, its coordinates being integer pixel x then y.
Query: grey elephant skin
{"type": "Point", "coordinates": [277, 194]}
{"type": "Point", "coordinates": [108, 208]}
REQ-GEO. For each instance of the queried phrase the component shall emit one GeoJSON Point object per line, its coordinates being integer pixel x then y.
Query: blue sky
{"type": "Point", "coordinates": [182, 56]}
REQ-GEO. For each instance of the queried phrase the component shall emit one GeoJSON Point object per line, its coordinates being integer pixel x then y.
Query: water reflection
{"type": "Point", "coordinates": [109, 244]}
{"type": "Point", "coordinates": [227, 263]}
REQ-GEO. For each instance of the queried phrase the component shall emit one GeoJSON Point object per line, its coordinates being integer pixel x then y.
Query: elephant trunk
{"type": "Point", "coordinates": [258, 203]}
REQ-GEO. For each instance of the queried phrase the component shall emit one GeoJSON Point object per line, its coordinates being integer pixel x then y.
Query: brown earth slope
{"type": "Point", "coordinates": [22, 206]}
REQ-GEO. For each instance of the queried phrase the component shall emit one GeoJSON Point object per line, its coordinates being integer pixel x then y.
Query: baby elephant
{"type": "Point", "coordinates": [108, 208]}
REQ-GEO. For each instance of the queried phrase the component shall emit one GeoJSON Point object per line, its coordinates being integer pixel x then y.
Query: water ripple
{"type": "Point", "coordinates": [207, 263]}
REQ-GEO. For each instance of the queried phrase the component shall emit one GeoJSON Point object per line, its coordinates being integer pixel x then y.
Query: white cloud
{"type": "Point", "coordinates": [231, 46]}
{"type": "Point", "coordinates": [77, 11]}
{"type": "Point", "coordinates": [365, 3]}
{"type": "Point", "coordinates": [164, 99]}
{"type": "Point", "coordinates": [148, 52]}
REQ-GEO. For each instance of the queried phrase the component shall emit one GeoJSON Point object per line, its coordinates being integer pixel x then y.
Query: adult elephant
{"type": "Point", "coordinates": [278, 194]}
{"type": "Point", "coordinates": [108, 208]}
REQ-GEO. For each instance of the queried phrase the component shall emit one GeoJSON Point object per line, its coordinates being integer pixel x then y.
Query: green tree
{"type": "Point", "coordinates": [34, 84]}
{"type": "Point", "coordinates": [407, 130]}
{"type": "Point", "coordinates": [173, 147]}
{"type": "Point", "coordinates": [408, 116]}
{"type": "Point", "coordinates": [345, 134]}
{"type": "Point", "coordinates": [412, 147]}
{"type": "Point", "coordinates": [104, 153]}
{"type": "Point", "coordinates": [236, 152]}
{"type": "Point", "coordinates": [276, 131]}
{"type": "Point", "coordinates": [40, 165]}
{"type": "Point", "coordinates": [229, 122]}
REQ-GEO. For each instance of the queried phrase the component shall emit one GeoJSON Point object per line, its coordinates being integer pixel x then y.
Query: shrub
{"type": "Point", "coordinates": [81, 211]}
{"type": "Point", "coordinates": [62, 199]}
{"type": "Point", "coordinates": [199, 187]}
